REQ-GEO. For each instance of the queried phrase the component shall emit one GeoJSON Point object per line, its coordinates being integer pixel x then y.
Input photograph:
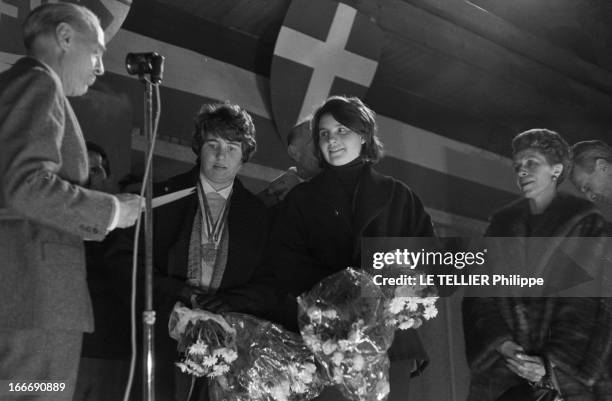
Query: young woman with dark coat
{"type": "Point", "coordinates": [321, 222]}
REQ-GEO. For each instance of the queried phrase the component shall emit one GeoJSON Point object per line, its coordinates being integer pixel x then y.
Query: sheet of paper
{"type": "Point", "coordinates": [165, 199]}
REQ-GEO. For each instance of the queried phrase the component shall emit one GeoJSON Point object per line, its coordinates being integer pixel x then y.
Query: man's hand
{"type": "Point", "coordinates": [130, 206]}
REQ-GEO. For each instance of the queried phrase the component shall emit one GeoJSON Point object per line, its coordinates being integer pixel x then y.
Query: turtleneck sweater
{"type": "Point", "coordinates": [348, 176]}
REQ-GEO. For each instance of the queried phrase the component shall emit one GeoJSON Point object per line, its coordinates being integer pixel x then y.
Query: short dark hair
{"type": "Point", "coordinates": [47, 17]}
{"type": "Point", "coordinates": [586, 154]}
{"type": "Point", "coordinates": [227, 121]}
{"type": "Point", "coordinates": [552, 146]}
{"type": "Point", "coordinates": [356, 116]}
{"type": "Point", "coordinates": [93, 147]}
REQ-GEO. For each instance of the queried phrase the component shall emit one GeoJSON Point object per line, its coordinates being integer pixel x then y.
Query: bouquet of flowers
{"type": "Point", "coordinates": [207, 343]}
{"type": "Point", "coordinates": [411, 305]}
{"type": "Point", "coordinates": [344, 321]}
{"type": "Point", "coordinates": [274, 364]}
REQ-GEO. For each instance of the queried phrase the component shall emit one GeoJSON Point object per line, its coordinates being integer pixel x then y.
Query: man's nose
{"type": "Point", "coordinates": [221, 152]}
{"type": "Point", "coordinates": [99, 67]}
{"type": "Point", "coordinates": [522, 172]}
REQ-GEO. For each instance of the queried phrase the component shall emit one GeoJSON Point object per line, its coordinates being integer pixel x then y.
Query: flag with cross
{"type": "Point", "coordinates": [323, 48]}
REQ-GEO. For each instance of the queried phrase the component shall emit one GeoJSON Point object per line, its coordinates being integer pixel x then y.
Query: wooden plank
{"type": "Point", "coordinates": [407, 23]}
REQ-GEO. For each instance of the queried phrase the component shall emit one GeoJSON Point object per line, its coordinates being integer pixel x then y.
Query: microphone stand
{"type": "Point", "coordinates": [149, 67]}
{"type": "Point", "coordinates": [151, 64]}
{"type": "Point", "coordinates": [148, 314]}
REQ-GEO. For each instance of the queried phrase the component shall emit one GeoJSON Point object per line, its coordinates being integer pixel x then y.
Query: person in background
{"type": "Point", "coordinates": [45, 210]}
{"type": "Point", "coordinates": [301, 150]}
{"type": "Point", "coordinates": [104, 365]}
{"type": "Point", "coordinates": [100, 177]}
{"type": "Point", "coordinates": [592, 170]}
{"type": "Point", "coordinates": [321, 222]}
{"type": "Point", "coordinates": [513, 342]}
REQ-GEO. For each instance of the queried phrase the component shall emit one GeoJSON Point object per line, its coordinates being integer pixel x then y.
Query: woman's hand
{"type": "Point", "coordinates": [528, 367]}
{"type": "Point", "coordinates": [189, 294]}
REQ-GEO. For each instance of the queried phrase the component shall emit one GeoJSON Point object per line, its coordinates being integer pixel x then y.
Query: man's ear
{"type": "Point", "coordinates": [558, 169]}
{"type": "Point", "coordinates": [602, 165]}
{"type": "Point", "coordinates": [64, 34]}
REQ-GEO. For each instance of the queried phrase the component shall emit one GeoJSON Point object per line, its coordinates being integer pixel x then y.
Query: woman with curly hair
{"type": "Point", "coordinates": [514, 341]}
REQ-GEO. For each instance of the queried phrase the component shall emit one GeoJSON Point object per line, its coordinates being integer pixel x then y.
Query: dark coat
{"type": "Point", "coordinates": [574, 333]}
{"type": "Point", "coordinates": [244, 286]}
{"type": "Point", "coordinates": [317, 234]}
{"type": "Point", "coordinates": [110, 298]}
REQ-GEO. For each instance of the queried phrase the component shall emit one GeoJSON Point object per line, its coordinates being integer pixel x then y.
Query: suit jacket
{"type": "Point", "coordinates": [316, 234]}
{"type": "Point", "coordinates": [44, 212]}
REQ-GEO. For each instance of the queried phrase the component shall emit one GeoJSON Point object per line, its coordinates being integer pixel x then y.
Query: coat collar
{"type": "Point", "coordinates": [32, 62]}
{"type": "Point", "coordinates": [558, 219]}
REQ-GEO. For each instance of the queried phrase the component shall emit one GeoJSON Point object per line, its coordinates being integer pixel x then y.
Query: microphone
{"type": "Point", "coordinates": [145, 63]}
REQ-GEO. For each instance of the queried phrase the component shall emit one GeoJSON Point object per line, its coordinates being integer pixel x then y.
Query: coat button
{"type": "Point", "coordinates": [336, 212]}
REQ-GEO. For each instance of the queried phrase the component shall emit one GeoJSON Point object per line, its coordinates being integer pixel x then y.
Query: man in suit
{"type": "Point", "coordinates": [300, 149]}
{"type": "Point", "coordinates": [45, 212]}
{"type": "Point", "coordinates": [592, 170]}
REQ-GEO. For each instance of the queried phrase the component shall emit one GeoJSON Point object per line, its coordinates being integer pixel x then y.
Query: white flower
{"type": "Point", "coordinates": [305, 376]}
{"type": "Point", "coordinates": [396, 305]}
{"type": "Point", "coordinates": [382, 389]}
{"type": "Point", "coordinates": [314, 313]}
{"type": "Point", "coordinates": [219, 369]}
{"type": "Point", "coordinates": [312, 342]}
{"type": "Point", "coordinates": [209, 361]}
{"type": "Point", "coordinates": [358, 362]}
{"type": "Point", "coordinates": [226, 354]}
{"type": "Point", "coordinates": [330, 314]}
{"type": "Point", "coordinates": [329, 346]}
{"type": "Point", "coordinates": [198, 348]}
{"type": "Point", "coordinates": [184, 368]}
{"type": "Point", "coordinates": [310, 367]}
{"type": "Point", "coordinates": [194, 368]}
{"type": "Point", "coordinates": [343, 345]}
{"type": "Point", "coordinates": [430, 312]}
{"type": "Point", "coordinates": [337, 358]}
{"type": "Point", "coordinates": [405, 325]}
{"type": "Point", "coordinates": [412, 304]}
